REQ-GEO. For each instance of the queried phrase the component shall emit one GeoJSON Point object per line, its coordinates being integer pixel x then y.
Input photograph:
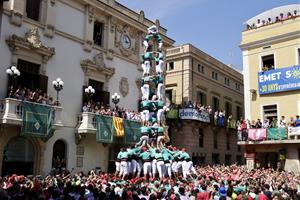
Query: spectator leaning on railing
{"type": "Point", "coordinates": [99, 108]}
{"type": "Point", "coordinates": [37, 96]}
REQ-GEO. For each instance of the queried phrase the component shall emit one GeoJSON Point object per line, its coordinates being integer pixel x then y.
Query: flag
{"type": "Point", "coordinates": [257, 134]}
{"type": "Point", "coordinates": [105, 129]}
{"type": "Point", "coordinates": [119, 127]}
{"type": "Point", "coordinates": [277, 134]}
{"type": "Point", "coordinates": [132, 131]}
{"type": "Point", "coordinates": [37, 120]}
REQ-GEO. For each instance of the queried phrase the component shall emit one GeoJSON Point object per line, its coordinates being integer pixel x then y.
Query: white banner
{"type": "Point", "coordinates": [292, 131]}
{"type": "Point", "coordinates": [193, 114]}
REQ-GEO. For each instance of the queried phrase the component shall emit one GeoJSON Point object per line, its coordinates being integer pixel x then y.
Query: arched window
{"type": "Point", "coordinates": [59, 155]}
{"type": "Point", "coordinates": [18, 157]}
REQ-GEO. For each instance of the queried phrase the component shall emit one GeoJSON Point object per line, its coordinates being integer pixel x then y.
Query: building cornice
{"type": "Point", "coordinates": [207, 61]}
{"type": "Point", "coordinates": [271, 40]}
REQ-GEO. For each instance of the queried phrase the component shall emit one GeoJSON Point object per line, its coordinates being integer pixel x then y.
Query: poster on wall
{"type": "Point", "coordinates": [194, 114]}
{"type": "Point", "coordinates": [279, 80]}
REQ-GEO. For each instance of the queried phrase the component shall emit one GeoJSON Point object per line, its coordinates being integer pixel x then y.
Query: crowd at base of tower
{"type": "Point", "coordinates": [211, 182]}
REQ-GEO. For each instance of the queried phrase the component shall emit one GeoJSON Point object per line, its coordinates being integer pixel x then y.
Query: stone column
{"type": "Point", "coordinates": [89, 27]}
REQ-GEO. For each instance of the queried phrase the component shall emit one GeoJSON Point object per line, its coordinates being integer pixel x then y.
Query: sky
{"type": "Point", "coordinates": [214, 26]}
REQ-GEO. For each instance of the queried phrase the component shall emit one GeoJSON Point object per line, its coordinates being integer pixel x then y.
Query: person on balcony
{"type": "Point", "coordinates": [297, 121]}
{"type": "Point", "coordinates": [258, 124]}
{"type": "Point", "coordinates": [282, 122]}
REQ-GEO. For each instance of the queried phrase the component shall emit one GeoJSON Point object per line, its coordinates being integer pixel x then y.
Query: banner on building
{"type": "Point", "coordinates": [277, 134]}
{"type": "Point", "coordinates": [194, 114]}
{"type": "Point", "coordinates": [132, 131]}
{"type": "Point", "coordinates": [105, 129]}
{"type": "Point", "coordinates": [294, 131]}
{"type": "Point", "coordinates": [257, 134]}
{"type": "Point", "coordinates": [172, 114]}
{"type": "Point", "coordinates": [37, 120]}
{"type": "Point", "coordinates": [279, 80]}
{"type": "Point", "coordinates": [118, 125]}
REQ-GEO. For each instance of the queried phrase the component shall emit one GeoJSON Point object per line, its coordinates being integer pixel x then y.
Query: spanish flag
{"type": "Point", "coordinates": [119, 127]}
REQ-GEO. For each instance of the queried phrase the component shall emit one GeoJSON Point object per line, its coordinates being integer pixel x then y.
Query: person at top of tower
{"type": "Point", "coordinates": [152, 34]}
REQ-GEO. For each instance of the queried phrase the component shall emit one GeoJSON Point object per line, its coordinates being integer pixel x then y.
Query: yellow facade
{"type": "Point", "coordinates": [192, 74]}
{"type": "Point", "coordinates": [279, 41]}
{"type": "Point", "coordinates": [283, 41]}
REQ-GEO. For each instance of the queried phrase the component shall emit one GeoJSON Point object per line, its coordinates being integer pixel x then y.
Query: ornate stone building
{"type": "Point", "coordinates": [84, 42]}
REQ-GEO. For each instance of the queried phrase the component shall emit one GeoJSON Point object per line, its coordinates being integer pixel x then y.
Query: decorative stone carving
{"type": "Point", "coordinates": [30, 41]}
{"type": "Point", "coordinates": [99, 59]}
{"type": "Point", "coordinates": [124, 86]}
{"type": "Point", "coordinates": [141, 16]}
{"type": "Point", "coordinates": [91, 13]}
{"type": "Point", "coordinates": [79, 137]}
{"type": "Point", "coordinates": [97, 65]}
{"type": "Point", "coordinates": [52, 2]}
{"type": "Point", "coordinates": [49, 31]}
{"type": "Point", "coordinates": [33, 37]}
{"type": "Point", "coordinates": [16, 18]}
{"type": "Point", "coordinates": [131, 34]}
{"type": "Point", "coordinates": [88, 45]}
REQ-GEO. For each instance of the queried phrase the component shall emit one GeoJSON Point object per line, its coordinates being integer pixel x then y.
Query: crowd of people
{"type": "Point", "coordinates": [100, 108]}
{"type": "Point", "coordinates": [280, 18]}
{"type": "Point", "coordinates": [210, 183]}
{"type": "Point", "coordinates": [37, 96]}
{"type": "Point", "coordinates": [244, 125]}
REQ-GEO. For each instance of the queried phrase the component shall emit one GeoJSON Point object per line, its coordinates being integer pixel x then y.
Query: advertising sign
{"type": "Point", "coordinates": [279, 80]}
{"type": "Point", "coordinates": [193, 114]}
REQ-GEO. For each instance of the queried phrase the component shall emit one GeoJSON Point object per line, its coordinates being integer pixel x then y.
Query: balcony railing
{"type": "Point", "coordinates": [270, 135]}
{"type": "Point", "coordinates": [86, 123]}
{"type": "Point", "coordinates": [11, 113]}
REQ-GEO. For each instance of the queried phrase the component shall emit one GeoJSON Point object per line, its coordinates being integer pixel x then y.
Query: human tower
{"type": "Point", "coordinates": [150, 156]}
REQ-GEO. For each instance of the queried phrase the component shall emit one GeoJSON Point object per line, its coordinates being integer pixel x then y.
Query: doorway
{"type": "Point", "coordinates": [59, 155]}
{"type": "Point", "coordinates": [18, 157]}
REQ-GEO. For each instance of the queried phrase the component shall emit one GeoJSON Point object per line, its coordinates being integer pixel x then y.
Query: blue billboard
{"type": "Point", "coordinates": [279, 80]}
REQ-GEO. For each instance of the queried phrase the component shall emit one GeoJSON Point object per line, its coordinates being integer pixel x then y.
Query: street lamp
{"type": "Point", "coordinates": [89, 91]}
{"type": "Point", "coordinates": [115, 99]}
{"type": "Point", "coordinates": [14, 73]}
{"type": "Point", "coordinates": [58, 85]}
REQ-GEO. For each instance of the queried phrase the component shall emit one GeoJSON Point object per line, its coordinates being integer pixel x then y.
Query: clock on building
{"type": "Point", "coordinates": [126, 42]}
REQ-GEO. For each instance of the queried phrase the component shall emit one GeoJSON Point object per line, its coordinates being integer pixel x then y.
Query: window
{"type": "Point", "coordinates": [201, 97]}
{"type": "Point", "coordinates": [100, 96]}
{"type": "Point", "coordinates": [227, 81]}
{"type": "Point", "coordinates": [267, 62]}
{"type": "Point", "coordinates": [237, 86]}
{"type": "Point", "coordinates": [228, 109]}
{"type": "Point", "coordinates": [169, 94]}
{"type": "Point", "coordinates": [98, 33]}
{"type": "Point", "coordinates": [227, 159]}
{"type": "Point", "coordinates": [216, 104]}
{"type": "Point", "coordinates": [239, 160]}
{"type": "Point", "coordinates": [201, 137]}
{"type": "Point", "coordinates": [214, 75]}
{"type": "Point", "coordinates": [30, 77]}
{"type": "Point", "coordinates": [33, 9]}
{"type": "Point", "coordinates": [215, 139]}
{"type": "Point", "coordinates": [270, 112]}
{"type": "Point", "coordinates": [239, 148]}
{"type": "Point", "coordinates": [228, 141]}
{"type": "Point", "coordinates": [171, 66]}
{"type": "Point", "coordinates": [201, 68]}
{"type": "Point", "coordinates": [215, 158]}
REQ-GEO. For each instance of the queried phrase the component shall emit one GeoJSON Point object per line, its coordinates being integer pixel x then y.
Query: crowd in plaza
{"type": "Point", "coordinates": [280, 18]}
{"type": "Point", "coordinates": [210, 183]}
{"type": "Point", "coordinates": [37, 96]}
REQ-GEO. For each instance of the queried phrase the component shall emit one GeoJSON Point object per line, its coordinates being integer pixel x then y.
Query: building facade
{"type": "Point", "coordinates": [194, 76]}
{"type": "Point", "coordinates": [271, 58]}
{"type": "Point", "coordinates": [84, 43]}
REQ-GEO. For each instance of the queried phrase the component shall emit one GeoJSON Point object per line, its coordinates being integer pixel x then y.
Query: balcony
{"type": "Point", "coordinates": [289, 135]}
{"type": "Point", "coordinates": [86, 123]}
{"type": "Point", "coordinates": [11, 113]}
